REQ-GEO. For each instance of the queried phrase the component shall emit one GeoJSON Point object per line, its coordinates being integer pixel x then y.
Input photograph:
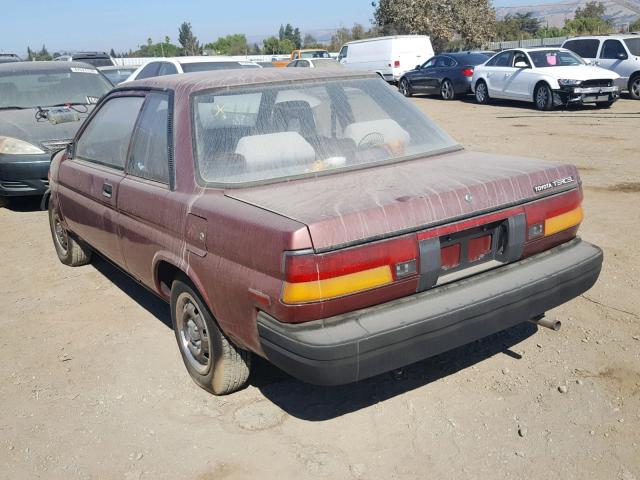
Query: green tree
{"type": "Point", "coordinates": [188, 41]}
{"type": "Point", "coordinates": [344, 35]}
{"type": "Point", "coordinates": [235, 44]}
{"type": "Point", "coordinates": [587, 26]}
{"type": "Point", "coordinates": [591, 9]}
{"type": "Point", "coordinates": [635, 26]}
{"type": "Point", "coordinates": [472, 21]}
{"type": "Point", "coordinates": [518, 26]}
{"type": "Point", "coordinates": [310, 41]}
{"type": "Point", "coordinates": [162, 49]}
{"type": "Point", "coordinates": [288, 32]}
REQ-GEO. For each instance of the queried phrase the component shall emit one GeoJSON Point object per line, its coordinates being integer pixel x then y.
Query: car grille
{"type": "Point", "coordinates": [597, 83]}
{"type": "Point", "coordinates": [55, 145]}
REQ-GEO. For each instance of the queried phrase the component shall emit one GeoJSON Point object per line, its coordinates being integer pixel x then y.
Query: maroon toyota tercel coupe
{"type": "Point", "coordinates": [317, 219]}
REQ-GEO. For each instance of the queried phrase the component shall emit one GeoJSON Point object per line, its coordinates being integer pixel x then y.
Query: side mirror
{"type": "Point", "coordinates": [621, 56]}
{"type": "Point", "coordinates": [418, 67]}
{"type": "Point", "coordinates": [587, 61]}
{"type": "Point", "coordinates": [70, 150]}
{"type": "Point", "coordinates": [521, 65]}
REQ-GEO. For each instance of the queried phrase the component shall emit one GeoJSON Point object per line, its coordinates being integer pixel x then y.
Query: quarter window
{"type": "Point", "coordinates": [611, 49]}
{"type": "Point", "coordinates": [150, 152]}
{"type": "Point", "coordinates": [584, 48]}
{"type": "Point", "coordinates": [106, 139]}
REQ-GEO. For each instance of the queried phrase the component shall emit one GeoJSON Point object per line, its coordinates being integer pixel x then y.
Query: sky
{"type": "Point", "coordinates": [123, 25]}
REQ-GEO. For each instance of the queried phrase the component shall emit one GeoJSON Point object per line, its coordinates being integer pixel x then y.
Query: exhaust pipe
{"type": "Point", "coordinates": [545, 322]}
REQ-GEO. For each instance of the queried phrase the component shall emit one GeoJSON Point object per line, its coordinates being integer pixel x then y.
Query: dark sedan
{"type": "Point", "coordinates": [447, 75]}
{"type": "Point", "coordinates": [41, 107]}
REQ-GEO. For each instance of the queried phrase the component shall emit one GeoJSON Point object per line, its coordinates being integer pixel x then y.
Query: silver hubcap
{"type": "Point", "coordinates": [446, 90]}
{"type": "Point", "coordinates": [404, 86]}
{"type": "Point", "coordinates": [542, 97]}
{"type": "Point", "coordinates": [194, 335]}
{"type": "Point", "coordinates": [481, 92]}
{"type": "Point", "coordinates": [61, 236]}
{"type": "Point", "coordinates": [635, 87]}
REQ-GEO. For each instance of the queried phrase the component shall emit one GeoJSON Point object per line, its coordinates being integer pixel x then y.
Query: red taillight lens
{"type": "Point", "coordinates": [467, 72]}
{"type": "Point", "coordinates": [312, 278]}
{"type": "Point", "coordinates": [396, 64]}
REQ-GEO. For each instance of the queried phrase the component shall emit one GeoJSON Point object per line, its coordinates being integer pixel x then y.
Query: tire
{"type": "Point", "coordinates": [70, 252]}
{"type": "Point", "coordinates": [543, 97]}
{"type": "Point", "coordinates": [213, 362]}
{"type": "Point", "coordinates": [634, 87]}
{"type": "Point", "coordinates": [405, 88]}
{"type": "Point", "coordinates": [482, 93]}
{"type": "Point", "coordinates": [447, 91]}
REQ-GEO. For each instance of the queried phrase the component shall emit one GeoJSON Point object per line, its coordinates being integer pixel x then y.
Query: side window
{"type": "Point", "coordinates": [292, 64]}
{"type": "Point", "coordinates": [503, 60]}
{"type": "Point", "coordinates": [150, 152]}
{"type": "Point", "coordinates": [343, 52]}
{"type": "Point", "coordinates": [584, 48]}
{"type": "Point", "coordinates": [151, 70]}
{"type": "Point", "coordinates": [611, 49]}
{"type": "Point", "coordinates": [430, 63]}
{"type": "Point", "coordinates": [167, 68]}
{"type": "Point", "coordinates": [445, 62]}
{"type": "Point", "coordinates": [303, 63]}
{"type": "Point", "coordinates": [106, 139]}
{"type": "Point", "coordinates": [520, 57]}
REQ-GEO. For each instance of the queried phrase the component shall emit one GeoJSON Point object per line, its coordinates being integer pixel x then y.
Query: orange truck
{"type": "Point", "coordinates": [302, 53]}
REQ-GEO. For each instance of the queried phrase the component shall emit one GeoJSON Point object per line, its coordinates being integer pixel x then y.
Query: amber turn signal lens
{"type": "Point", "coordinates": [563, 222]}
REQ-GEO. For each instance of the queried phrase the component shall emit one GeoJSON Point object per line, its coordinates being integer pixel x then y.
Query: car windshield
{"type": "Point", "coordinates": [40, 88]}
{"type": "Point", "coordinates": [265, 133]}
{"type": "Point", "coordinates": [633, 44]}
{"type": "Point", "coordinates": [206, 66]}
{"type": "Point", "coordinates": [315, 54]}
{"type": "Point", "coordinates": [118, 75]}
{"type": "Point", "coordinates": [554, 58]}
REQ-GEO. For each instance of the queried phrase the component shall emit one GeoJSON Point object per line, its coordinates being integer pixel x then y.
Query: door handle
{"type": "Point", "coordinates": [107, 190]}
{"type": "Point", "coordinates": [489, 74]}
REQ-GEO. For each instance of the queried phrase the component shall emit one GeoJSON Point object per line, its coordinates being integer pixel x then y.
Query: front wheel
{"type": "Point", "coordinates": [213, 362]}
{"type": "Point", "coordinates": [70, 252]}
{"type": "Point", "coordinates": [482, 92]}
{"type": "Point", "coordinates": [446, 90]}
{"type": "Point", "coordinates": [405, 88]}
{"type": "Point", "coordinates": [543, 97]}
{"type": "Point", "coordinates": [634, 87]}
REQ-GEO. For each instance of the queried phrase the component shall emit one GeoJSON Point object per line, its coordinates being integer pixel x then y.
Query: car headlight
{"type": "Point", "coordinates": [15, 146]}
{"type": "Point", "coordinates": [563, 82]}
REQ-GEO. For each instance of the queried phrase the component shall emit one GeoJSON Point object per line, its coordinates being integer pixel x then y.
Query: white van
{"type": "Point", "coordinates": [389, 57]}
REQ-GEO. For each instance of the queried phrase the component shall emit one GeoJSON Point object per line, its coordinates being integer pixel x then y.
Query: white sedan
{"type": "Point", "coordinates": [547, 77]}
{"type": "Point", "coordinates": [175, 65]}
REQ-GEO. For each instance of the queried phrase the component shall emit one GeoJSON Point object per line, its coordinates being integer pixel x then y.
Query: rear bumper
{"type": "Point", "coordinates": [371, 341]}
{"type": "Point", "coordinates": [24, 174]}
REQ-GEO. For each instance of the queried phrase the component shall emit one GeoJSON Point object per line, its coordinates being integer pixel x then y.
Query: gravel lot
{"type": "Point", "coordinates": [92, 384]}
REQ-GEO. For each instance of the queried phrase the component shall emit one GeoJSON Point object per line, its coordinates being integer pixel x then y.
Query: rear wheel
{"type": "Point", "coordinates": [634, 87]}
{"type": "Point", "coordinates": [543, 97]}
{"type": "Point", "coordinates": [213, 362]}
{"type": "Point", "coordinates": [70, 252]}
{"type": "Point", "coordinates": [405, 88]}
{"type": "Point", "coordinates": [482, 92]}
{"type": "Point", "coordinates": [446, 90]}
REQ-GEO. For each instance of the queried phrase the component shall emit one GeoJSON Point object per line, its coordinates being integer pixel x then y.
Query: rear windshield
{"type": "Point", "coordinates": [46, 88]}
{"type": "Point", "coordinates": [633, 44]}
{"type": "Point", "coordinates": [206, 66]}
{"type": "Point", "coordinates": [245, 135]}
{"type": "Point", "coordinates": [554, 58]}
{"type": "Point", "coordinates": [95, 61]}
{"type": "Point", "coordinates": [315, 54]}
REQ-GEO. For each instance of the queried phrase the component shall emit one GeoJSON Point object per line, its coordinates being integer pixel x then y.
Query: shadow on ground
{"type": "Point", "coordinates": [314, 403]}
{"type": "Point", "coordinates": [22, 204]}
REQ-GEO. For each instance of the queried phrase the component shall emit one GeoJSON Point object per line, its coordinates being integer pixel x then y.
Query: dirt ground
{"type": "Point", "coordinates": [92, 385]}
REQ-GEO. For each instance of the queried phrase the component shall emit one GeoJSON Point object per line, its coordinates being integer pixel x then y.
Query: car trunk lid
{"type": "Point", "coordinates": [360, 206]}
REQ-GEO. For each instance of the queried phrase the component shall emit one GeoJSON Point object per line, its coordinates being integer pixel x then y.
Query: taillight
{"type": "Point", "coordinates": [467, 72]}
{"type": "Point", "coordinates": [313, 278]}
{"type": "Point", "coordinates": [552, 221]}
{"type": "Point", "coordinates": [396, 64]}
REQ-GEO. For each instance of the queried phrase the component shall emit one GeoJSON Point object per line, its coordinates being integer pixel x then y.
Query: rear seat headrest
{"type": "Point", "coordinates": [275, 150]}
{"type": "Point", "coordinates": [387, 130]}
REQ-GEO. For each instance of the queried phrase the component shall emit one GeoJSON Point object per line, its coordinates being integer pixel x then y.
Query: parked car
{"type": "Point", "coordinates": [97, 59]}
{"type": "Point", "coordinates": [314, 218]}
{"type": "Point", "coordinates": [176, 65]}
{"type": "Point", "coordinates": [548, 77]}
{"type": "Point", "coordinates": [41, 106]}
{"type": "Point", "coordinates": [9, 58]}
{"type": "Point", "coordinates": [619, 53]}
{"type": "Point", "coordinates": [389, 57]}
{"type": "Point", "coordinates": [325, 63]}
{"type": "Point", "coordinates": [302, 53]}
{"type": "Point", "coordinates": [447, 75]}
{"type": "Point", "coordinates": [118, 74]}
